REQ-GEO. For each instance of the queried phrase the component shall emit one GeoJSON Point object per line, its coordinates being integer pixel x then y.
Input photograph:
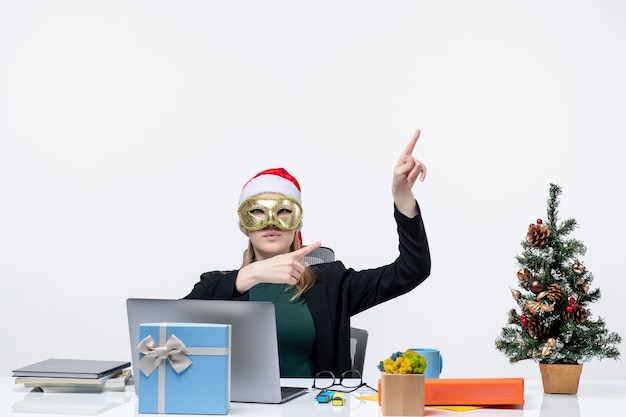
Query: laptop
{"type": "Point", "coordinates": [255, 372]}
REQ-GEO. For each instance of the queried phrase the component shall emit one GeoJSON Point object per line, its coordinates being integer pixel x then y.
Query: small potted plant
{"type": "Point", "coordinates": [402, 389]}
{"type": "Point", "coordinates": [553, 324]}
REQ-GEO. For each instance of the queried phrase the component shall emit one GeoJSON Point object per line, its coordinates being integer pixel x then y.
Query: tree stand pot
{"type": "Point", "coordinates": [560, 378]}
{"type": "Point", "coordinates": [402, 394]}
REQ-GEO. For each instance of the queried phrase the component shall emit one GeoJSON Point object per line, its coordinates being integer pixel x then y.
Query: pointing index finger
{"type": "Point", "coordinates": [302, 252]}
{"type": "Point", "coordinates": [409, 148]}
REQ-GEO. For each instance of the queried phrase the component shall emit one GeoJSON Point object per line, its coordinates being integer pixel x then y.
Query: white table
{"type": "Point", "coordinates": [594, 399]}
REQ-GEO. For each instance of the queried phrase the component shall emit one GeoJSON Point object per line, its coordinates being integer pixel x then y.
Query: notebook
{"type": "Point", "coordinates": [71, 368]}
{"type": "Point", "coordinates": [255, 372]}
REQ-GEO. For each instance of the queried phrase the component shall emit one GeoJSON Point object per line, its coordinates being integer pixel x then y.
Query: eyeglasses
{"type": "Point", "coordinates": [350, 381]}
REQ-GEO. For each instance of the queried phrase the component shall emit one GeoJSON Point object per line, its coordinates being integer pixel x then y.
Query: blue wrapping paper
{"type": "Point", "coordinates": [200, 385]}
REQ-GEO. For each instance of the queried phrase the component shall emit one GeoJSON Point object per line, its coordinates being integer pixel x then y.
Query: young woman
{"type": "Point", "coordinates": [314, 303]}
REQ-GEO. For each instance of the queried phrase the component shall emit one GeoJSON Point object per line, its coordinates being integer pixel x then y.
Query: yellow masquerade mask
{"type": "Point", "coordinates": [257, 213]}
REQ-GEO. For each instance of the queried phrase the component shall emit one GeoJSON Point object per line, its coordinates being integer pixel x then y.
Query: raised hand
{"type": "Point", "coordinates": [406, 172]}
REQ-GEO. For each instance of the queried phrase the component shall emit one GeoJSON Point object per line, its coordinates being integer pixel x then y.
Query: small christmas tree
{"type": "Point", "coordinates": [554, 323]}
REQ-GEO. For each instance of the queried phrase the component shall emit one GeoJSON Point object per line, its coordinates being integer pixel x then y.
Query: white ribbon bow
{"type": "Point", "coordinates": [174, 351]}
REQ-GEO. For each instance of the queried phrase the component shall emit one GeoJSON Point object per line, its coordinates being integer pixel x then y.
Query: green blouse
{"type": "Point", "coordinates": [294, 324]}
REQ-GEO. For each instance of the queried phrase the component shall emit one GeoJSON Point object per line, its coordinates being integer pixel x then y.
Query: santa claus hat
{"type": "Point", "coordinates": [273, 180]}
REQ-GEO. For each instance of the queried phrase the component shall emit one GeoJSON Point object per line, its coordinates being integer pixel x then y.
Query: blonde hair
{"type": "Point", "coordinates": [306, 279]}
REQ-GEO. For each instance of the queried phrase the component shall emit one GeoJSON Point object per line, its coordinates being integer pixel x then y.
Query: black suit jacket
{"type": "Point", "coordinates": [339, 292]}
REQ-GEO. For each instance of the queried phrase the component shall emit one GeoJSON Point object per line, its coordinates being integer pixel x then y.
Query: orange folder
{"type": "Point", "coordinates": [471, 391]}
{"type": "Point", "coordinates": [474, 391]}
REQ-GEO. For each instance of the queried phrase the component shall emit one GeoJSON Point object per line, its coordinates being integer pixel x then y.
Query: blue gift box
{"type": "Point", "coordinates": [184, 368]}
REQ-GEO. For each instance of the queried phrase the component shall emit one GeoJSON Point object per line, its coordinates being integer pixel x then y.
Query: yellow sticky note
{"type": "Point", "coordinates": [373, 397]}
{"type": "Point", "coordinates": [456, 407]}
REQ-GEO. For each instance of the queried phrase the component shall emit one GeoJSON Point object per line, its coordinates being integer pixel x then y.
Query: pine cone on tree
{"type": "Point", "coordinates": [577, 314]}
{"type": "Point", "coordinates": [554, 292]}
{"type": "Point", "coordinates": [538, 235]}
{"type": "Point", "coordinates": [536, 328]}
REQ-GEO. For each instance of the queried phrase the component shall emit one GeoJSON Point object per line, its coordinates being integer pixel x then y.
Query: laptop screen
{"type": "Point", "coordinates": [255, 373]}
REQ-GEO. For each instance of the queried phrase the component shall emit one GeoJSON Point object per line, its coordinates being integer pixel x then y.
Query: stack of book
{"type": "Point", "coordinates": [74, 375]}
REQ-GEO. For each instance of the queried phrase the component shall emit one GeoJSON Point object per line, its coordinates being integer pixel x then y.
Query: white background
{"type": "Point", "coordinates": [127, 129]}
